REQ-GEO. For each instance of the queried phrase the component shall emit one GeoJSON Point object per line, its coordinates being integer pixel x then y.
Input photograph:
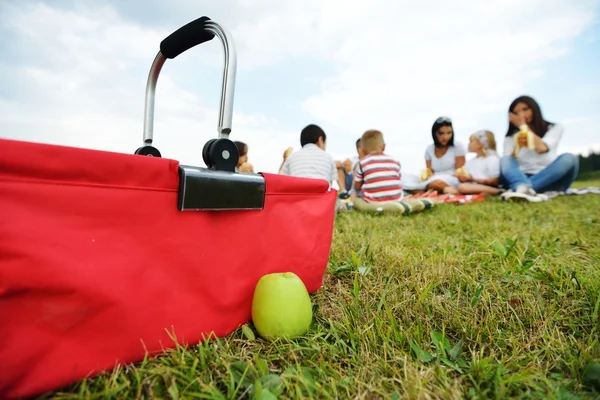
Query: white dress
{"type": "Point", "coordinates": [487, 167]}
{"type": "Point", "coordinates": [445, 166]}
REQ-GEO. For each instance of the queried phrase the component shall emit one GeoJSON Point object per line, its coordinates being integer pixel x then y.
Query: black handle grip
{"type": "Point", "coordinates": [185, 38]}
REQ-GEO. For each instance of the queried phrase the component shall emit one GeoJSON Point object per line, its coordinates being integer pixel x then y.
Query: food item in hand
{"type": "Point", "coordinates": [347, 165]}
{"type": "Point", "coordinates": [246, 167]}
{"type": "Point", "coordinates": [524, 134]}
{"type": "Point", "coordinates": [462, 171]}
{"type": "Point", "coordinates": [426, 174]}
{"type": "Point", "coordinates": [287, 152]}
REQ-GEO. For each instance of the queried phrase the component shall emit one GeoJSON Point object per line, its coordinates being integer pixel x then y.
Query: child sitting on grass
{"type": "Point", "coordinates": [346, 170]}
{"type": "Point", "coordinates": [377, 174]}
{"type": "Point", "coordinates": [312, 161]}
{"type": "Point", "coordinates": [482, 173]}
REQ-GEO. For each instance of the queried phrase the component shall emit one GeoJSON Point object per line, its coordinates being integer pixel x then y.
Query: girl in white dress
{"type": "Point", "coordinates": [482, 172]}
{"type": "Point", "coordinates": [443, 158]}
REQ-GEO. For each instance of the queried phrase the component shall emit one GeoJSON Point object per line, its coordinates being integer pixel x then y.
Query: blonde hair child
{"type": "Point", "coordinates": [482, 173]}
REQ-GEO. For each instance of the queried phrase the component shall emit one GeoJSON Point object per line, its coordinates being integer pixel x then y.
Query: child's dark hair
{"type": "Point", "coordinates": [311, 134]}
{"type": "Point", "coordinates": [358, 142]}
{"type": "Point", "coordinates": [441, 121]}
{"type": "Point", "coordinates": [538, 123]}
{"type": "Point", "coordinates": [242, 148]}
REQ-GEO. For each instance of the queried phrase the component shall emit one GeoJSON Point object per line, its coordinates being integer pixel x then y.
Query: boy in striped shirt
{"type": "Point", "coordinates": [377, 174]}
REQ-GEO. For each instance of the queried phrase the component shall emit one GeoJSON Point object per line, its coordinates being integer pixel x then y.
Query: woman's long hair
{"type": "Point", "coordinates": [242, 147]}
{"type": "Point", "coordinates": [538, 124]}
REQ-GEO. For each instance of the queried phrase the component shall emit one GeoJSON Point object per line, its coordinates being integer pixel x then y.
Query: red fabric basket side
{"type": "Point", "coordinates": [97, 265]}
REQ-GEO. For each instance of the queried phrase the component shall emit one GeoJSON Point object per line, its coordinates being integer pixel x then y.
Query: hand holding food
{"type": "Point", "coordinates": [287, 152]}
{"type": "Point", "coordinates": [426, 174]}
{"type": "Point", "coordinates": [462, 175]}
{"type": "Point", "coordinates": [246, 167]}
{"type": "Point", "coordinates": [463, 171]}
{"type": "Point", "coordinates": [347, 165]}
{"type": "Point", "coordinates": [524, 139]}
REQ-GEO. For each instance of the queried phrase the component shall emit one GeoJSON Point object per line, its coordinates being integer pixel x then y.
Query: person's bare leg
{"type": "Point", "coordinates": [450, 190]}
{"type": "Point", "coordinates": [438, 186]}
{"type": "Point", "coordinates": [342, 180]}
{"type": "Point", "coordinates": [476, 188]}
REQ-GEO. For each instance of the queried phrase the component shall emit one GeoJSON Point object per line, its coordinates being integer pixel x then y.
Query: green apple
{"type": "Point", "coordinates": [281, 306]}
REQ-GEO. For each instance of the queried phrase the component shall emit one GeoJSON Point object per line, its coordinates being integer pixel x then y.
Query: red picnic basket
{"type": "Point", "coordinates": [106, 257]}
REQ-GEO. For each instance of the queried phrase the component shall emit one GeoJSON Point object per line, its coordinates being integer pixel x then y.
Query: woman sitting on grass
{"type": "Point", "coordinates": [443, 158]}
{"type": "Point", "coordinates": [530, 164]}
{"type": "Point", "coordinates": [482, 172]}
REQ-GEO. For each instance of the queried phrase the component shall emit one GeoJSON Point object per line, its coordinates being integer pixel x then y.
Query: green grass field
{"type": "Point", "coordinates": [486, 300]}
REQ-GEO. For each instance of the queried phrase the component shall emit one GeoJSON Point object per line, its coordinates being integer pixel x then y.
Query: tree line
{"type": "Point", "coordinates": [589, 166]}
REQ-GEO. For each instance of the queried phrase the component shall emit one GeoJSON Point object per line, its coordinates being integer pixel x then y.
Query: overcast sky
{"type": "Point", "coordinates": [74, 72]}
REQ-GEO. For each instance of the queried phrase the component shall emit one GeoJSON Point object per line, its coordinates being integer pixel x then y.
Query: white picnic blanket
{"type": "Point", "coordinates": [574, 191]}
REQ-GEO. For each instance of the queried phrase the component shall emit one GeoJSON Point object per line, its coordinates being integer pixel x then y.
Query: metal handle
{"type": "Point", "coordinates": [180, 41]}
{"type": "Point", "coordinates": [186, 37]}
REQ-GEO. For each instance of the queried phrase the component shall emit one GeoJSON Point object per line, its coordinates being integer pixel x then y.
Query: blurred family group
{"type": "Point", "coordinates": [530, 168]}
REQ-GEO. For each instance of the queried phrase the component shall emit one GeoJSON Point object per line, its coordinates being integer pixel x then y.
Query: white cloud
{"type": "Point", "coordinates": [405, 67]}
{"type": "Point", "coordinates": [576, 121]}
{"type": "Point", "coordinates": [88, 90]}
{"type": "Point", "coordinates": [397, 65]}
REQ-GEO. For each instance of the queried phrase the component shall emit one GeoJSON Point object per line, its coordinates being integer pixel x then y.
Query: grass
{"type": "Point", "coordinates": [589, 176]}
{"type": "Point", "coordinates": [487, 300]}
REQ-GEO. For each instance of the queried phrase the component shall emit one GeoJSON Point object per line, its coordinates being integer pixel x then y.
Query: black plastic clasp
{"type": "Point", "coordinates": [208, 189]}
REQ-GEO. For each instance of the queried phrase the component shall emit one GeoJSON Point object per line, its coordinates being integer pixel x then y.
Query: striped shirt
{"type": "Point", "coordinates": [380, 175]}
{"type": "Point", "coordinates": [311, 162]}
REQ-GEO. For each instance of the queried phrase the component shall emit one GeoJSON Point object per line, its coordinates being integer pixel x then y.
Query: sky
{"type": "Point", "coordinates": [74, 72]}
